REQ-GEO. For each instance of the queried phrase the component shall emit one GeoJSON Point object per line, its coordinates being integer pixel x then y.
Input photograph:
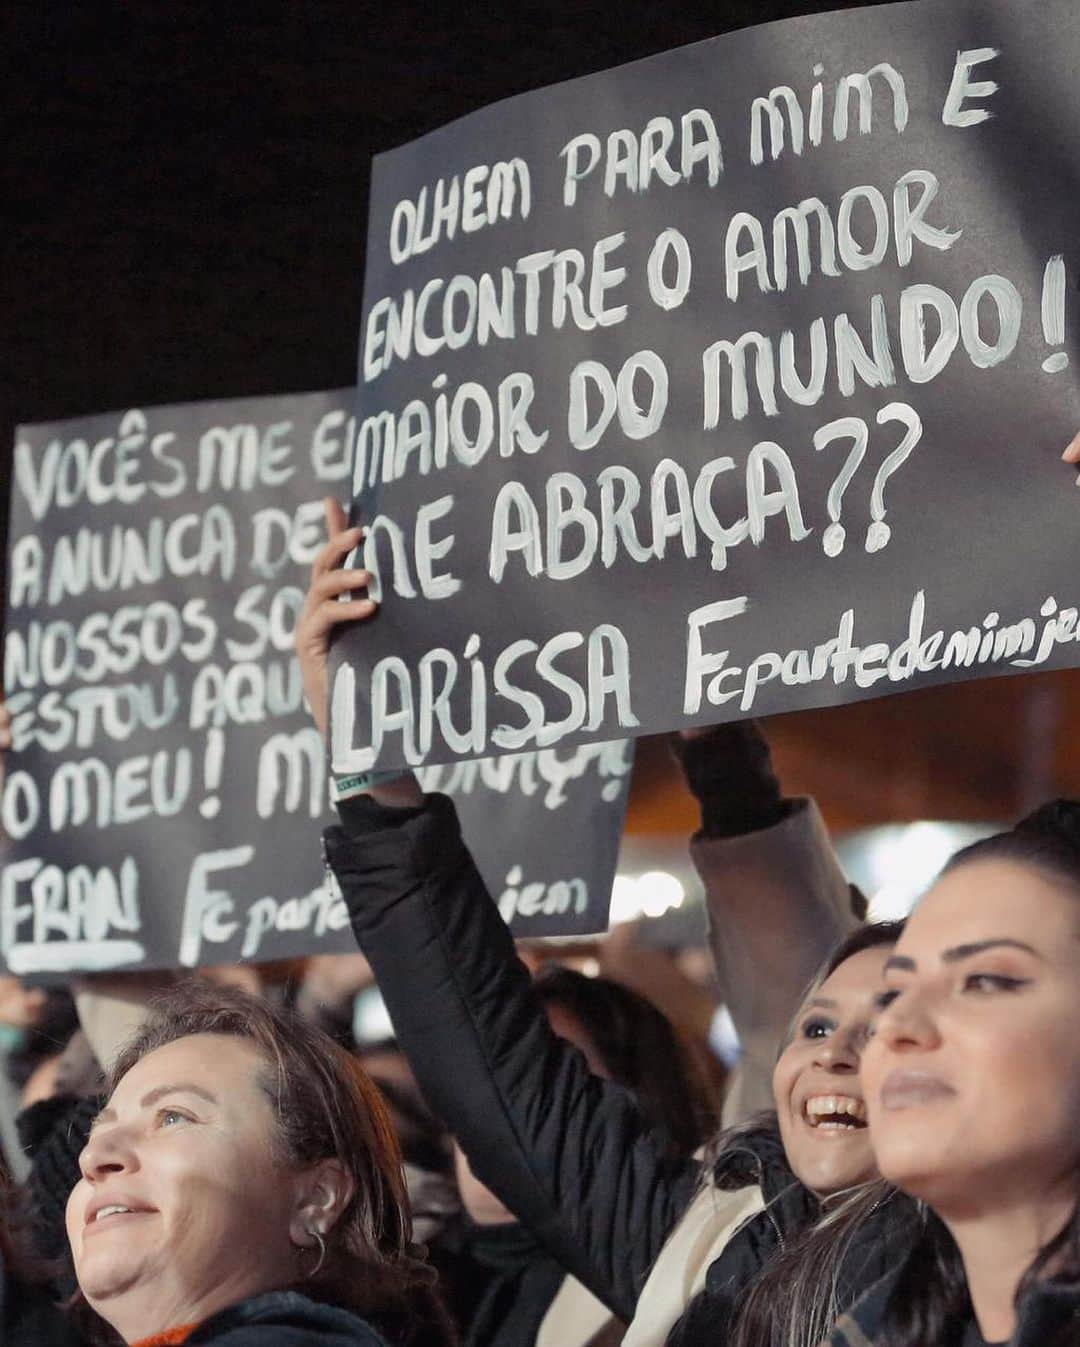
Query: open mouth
{"type": "Point", "coordinates": [835, 1113]}
{"type": "Point", "coordinates": [114, 1212]}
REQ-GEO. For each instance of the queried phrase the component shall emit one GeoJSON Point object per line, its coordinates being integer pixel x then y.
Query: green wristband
{"type": "Point", "coordinates": [360, 783]}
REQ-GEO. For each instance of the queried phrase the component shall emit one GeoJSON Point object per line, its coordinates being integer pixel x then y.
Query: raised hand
{"type": "Point", "coordinates": [1072, 452]}
{"type": "Point", "coordinates": [324, 609]}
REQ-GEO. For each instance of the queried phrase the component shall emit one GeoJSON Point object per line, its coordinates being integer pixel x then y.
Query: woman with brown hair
{"type": "Point", "coordinates": [241, 1185]}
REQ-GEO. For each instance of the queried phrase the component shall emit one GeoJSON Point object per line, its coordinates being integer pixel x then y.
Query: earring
{"type": "Point", "coordinates": [316, 1235]}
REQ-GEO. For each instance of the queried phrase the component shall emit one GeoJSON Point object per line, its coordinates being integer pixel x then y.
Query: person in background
{"type": "Point", "coordinates": [770, 875]}
{"type": "Point", "coordinates": [522, 1295]}
{"type": "Point", "coordinates": [241, 1185]}
{"type": "Point", "coordinates": [22, 1010]}
{"type": "Point", "coordinates": [973, 1089]}
{"type": "Point", "coordinates": [327, 989]}
{"type": "Point", "coordinates": [29, 1315]}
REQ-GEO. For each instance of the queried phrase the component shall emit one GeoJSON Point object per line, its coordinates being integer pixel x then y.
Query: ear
{"type": "Point", "coordinates": [321, 1194]}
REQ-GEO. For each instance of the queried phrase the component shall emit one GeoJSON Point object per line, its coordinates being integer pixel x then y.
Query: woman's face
{"type": "Point", "coordinates": [181, 1208]}
{"type": "Point", "coordinates": [816, 1084]}
{"type": "Point", "coordinates": [972, 1077]}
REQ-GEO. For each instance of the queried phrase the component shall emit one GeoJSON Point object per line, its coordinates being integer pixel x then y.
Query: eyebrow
{"type": "Point", "coordinates": [960, 952]}
{"type": "Point", "coordinates": [822, 1002]}
{"type": "Point", "coordinates": [183, 1087]}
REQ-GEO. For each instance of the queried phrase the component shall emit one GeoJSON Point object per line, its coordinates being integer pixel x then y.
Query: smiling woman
{"type": "Point", "coordinates": [973, 1089]}
{"type": "Point", "coordinates": [819, 1098]}
{"type": "Point", "coordinates": [241, 1185]}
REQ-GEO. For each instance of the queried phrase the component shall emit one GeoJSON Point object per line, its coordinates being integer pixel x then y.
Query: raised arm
{"type": "Point", "coordinates": [112, 1006]}
{"type": "Point", "coordinates": [569, 1154]}
{"type": "Point", "coordinates": [777, 899]}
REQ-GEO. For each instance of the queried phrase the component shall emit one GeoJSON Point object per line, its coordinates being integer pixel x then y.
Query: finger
{"type": "Point", "coordinates": [329, 614]}
{"type": "Point", "coordinates": [338, 582]}
{"type": "Point", "coordinates": [333, 613]}
{"type": "Point", "coordinates": [335, 551]}
{"type": "Point", "coordinates": [337, 521]}
{"type": "Point", "coordinates": [1072, 450]}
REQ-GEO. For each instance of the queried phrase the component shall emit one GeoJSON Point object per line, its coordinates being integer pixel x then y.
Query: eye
{"type": "Point", "coordinates": [169, 1117]}
{"type": "Point", "coordinates": [817, 1028]}
{"type": "Point", "coordinates": [984, 984]}
{"type": "Point", "coordinates": [883, 1000]}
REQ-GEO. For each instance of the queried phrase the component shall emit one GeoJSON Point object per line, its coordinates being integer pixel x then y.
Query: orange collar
{"type": "Point", "coordinates": [170, 1338]}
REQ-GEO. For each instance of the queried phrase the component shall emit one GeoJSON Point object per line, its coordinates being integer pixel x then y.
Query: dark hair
{"type": "Point", "coordinates": [1047, 839]}
{"type": "Point", "coordinates": [871, 935]}
{"type": "Point", "coordinates": [9, 1260]}
{"type": "Point", "coordinates": [931, 1298]}
{"type": "Point", "coordinates": [641, 1050]}
{"type": "Point", "coordinates": [326, 1107]}
{"type": "Point", "coordinates": [18, 1261]}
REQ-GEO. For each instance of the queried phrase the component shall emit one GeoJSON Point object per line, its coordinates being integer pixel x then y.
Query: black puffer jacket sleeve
{"type": "Point", "coordinates": [571, 1155]}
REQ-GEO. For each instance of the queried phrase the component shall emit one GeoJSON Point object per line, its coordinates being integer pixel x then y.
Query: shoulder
{"type": "Point", "coordinates": [864, 1323]}
{"type": "Point", "coordinates": [1050, 1315]}
{"type": "Point", "coordinates": [285, 1319]}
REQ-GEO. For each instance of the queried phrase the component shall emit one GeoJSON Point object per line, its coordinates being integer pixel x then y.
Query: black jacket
{"type": "Point", "coordinates": [1049, 1316]}
{"type": "Point", "coordinates": [513, 1280]}
{"type": "Point", "coordinates": [572, 1156]}
{"type": "Point", "coordinates": [284, 1319]}
{"type": "Point", "coordinates": [30, 1318]}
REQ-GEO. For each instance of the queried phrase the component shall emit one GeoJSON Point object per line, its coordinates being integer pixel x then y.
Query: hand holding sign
{"type": "Point", "coordinates": [326, 606]}
{"type": "Point", "coordinates": [1072, 452]}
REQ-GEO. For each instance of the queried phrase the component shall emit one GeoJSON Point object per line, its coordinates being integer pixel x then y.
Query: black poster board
{"type": "Point", "coordinates": [729, 382]}
{"type": "Point", "coordinates": [166, 789]}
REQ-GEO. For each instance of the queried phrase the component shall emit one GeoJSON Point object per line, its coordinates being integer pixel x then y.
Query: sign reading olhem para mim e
{"type": "Point", "coordinates": [729, 382]}
{"type": "Point", "coordinates": [166, 788]}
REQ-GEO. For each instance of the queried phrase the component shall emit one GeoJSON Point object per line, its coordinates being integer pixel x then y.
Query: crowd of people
{"type": "Point", "coordinates": [540, 1158]}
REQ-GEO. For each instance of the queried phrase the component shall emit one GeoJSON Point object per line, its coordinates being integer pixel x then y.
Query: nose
{"type": "Point", "coordinates": [109, 1150]}
{"type": "Point", "coordinates": [906, 1024]}
{"type": "Point", "coordinates": [839, 1053]}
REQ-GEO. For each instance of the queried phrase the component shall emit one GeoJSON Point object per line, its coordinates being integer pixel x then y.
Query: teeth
{"type": "Point", "coordinates": [831, 1106]}
{"type": "Point", "coordinates": [112, 1211]}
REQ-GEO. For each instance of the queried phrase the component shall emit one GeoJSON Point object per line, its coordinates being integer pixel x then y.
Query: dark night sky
{"type": "Point", "coordinates": [185, 184]}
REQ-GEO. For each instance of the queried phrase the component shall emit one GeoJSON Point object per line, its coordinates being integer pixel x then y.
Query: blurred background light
{"type": "Point", "coordinates": [895, 865]}
{"type": "Point", "coordinates": [649, 894]}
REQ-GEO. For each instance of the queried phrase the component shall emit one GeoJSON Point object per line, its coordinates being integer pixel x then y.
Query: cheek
{"type": "Point", "coordinates": [785, 1074]}
{"type": "Point", "coordinates": [872, 1068]}
{"type": "Point", "coordinates": [75, 1211]}
{"type": "Point", "coordinates": [1032, 1081]}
